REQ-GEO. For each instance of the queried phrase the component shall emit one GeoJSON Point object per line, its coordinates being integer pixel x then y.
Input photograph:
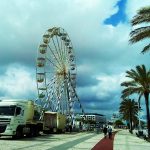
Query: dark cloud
{"type": "Point", "coordinates": [99, 104]}
{"type": "Point", "coordinates": [85, 79]}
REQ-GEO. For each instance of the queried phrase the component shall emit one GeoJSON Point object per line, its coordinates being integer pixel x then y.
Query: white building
{"type": "Point", "coordinates": [98, 118]}
{"type": "Point", "coordinates": [115, 117]}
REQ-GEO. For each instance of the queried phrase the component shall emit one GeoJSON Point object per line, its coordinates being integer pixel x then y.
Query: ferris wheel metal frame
{"type": "Point", "coordinates": [56, 73]}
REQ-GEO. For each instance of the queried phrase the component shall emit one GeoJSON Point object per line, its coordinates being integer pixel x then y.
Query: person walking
{"type": "Point", "coordinates": [110, 132]}
{"type": "Point", "coordinates": [105, 131]}
{"type": "Point", "coordinates": [70, 128]}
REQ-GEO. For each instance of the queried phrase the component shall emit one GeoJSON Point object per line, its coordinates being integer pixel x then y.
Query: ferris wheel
{"type": "Point", "coordinates": [56, 72]}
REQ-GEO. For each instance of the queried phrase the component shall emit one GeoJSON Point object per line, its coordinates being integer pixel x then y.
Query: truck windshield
{"type": "Point", "coordinates": [7, 110]}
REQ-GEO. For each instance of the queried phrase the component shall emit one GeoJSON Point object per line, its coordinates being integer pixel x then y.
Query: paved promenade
{"type": "Point", "coordinates": [125, 141]}
{"type": "Point", "coordinates": [122, 140]}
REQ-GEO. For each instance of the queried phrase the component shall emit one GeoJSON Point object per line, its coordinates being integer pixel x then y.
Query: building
{"type": "Point", "coordinates": [115, 116]}
{"type": "Point", "coordinates": [97, 118]}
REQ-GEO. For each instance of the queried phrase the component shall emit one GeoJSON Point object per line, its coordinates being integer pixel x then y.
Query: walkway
{"type": "Point", "coordinates": [105, 143]}
{"type": "Point", "coordinates": [88, 144]}
{"type": "Point", "coordinates": [122, 140]}
{"type": "Point", "coordinates": [126, 141]}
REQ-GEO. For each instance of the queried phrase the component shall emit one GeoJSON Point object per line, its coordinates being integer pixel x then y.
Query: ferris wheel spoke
{"type": "Point", "coordinates": [49, 73]}
{"type": "Point", "coordinates": [61, 47]}
{"type": "Point", "coordinates": [56, 100]}
{"type": "Point", "coordinates": [54, 64]}
{"type": "Point", "coordinates": [66, 48]}
{"type": "Point", "coordinates": [54, 56]}
{"type": "Point", "coordinates": [57, 49]}
{"type": "Point", "coordinates": [63, 38]}
{"type": "Point", "coordinates": [49, 84]}
{"type": "Point", "coordinates": [64, 52]}
{"type": "Point", "coordinates": [67, 54]}
{"type": "Point", "coordinates": [76, 96]}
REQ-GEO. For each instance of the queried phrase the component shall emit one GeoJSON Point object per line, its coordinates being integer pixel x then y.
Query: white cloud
{"type": "Point", "coordinates": [108, 84]}
{"type": "Point", "coordinates": [134, 5]}
{"type": "Point", "coordinates": [18, 82]}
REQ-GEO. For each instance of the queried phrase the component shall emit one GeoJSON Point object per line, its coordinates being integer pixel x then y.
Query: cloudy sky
{"type": "Point", "coordinates": [99, 31]}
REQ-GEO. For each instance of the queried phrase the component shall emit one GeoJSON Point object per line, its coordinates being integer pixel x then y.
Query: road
{"type": "Point", "coordinates": [68, 141]}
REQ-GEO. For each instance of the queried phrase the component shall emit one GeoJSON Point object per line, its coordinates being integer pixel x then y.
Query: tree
{"type": "Point", "coordinates": [118, 123]}
{"type": "Point", "coordinates": [129, 110]}
{"type": "Point", "coordinates": [143, 32]}
{"type": "Point", "coordinates": [140, 84]}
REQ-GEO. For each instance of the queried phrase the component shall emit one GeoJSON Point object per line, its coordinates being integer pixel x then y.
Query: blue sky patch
{"type": "Point", "coordinates": [118, 17]}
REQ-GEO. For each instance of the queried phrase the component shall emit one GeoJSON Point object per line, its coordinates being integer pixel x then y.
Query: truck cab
{"type": "Point", "coordinates": [19, 117]}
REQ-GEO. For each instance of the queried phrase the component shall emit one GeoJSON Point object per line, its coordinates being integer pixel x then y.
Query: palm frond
{"type": "Point", "coordinates": [146, 48]}
{"type": "Point", "coordinates": [144, 76]}
{"type": "Point", "coordinates": [130, 90]}
{"type": "Point", "coordinates": [132, 74]}
{"type": "Point", "coordinates": [139, 34]}
{"type": "Point", "coordinates": [142, 16]}
{"type": "Point", "coordinates": [128, 83]}
{"type": "Point", "coordinates": [140, 19]}
{"type": "Point", "coordinates": [144, 10]}
{"type": "Point", "coordinates": [142, 71]}
{"type": "Point", "coordinates": [128, 107]}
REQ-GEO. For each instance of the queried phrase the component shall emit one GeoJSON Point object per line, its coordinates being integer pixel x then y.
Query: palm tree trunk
{"type": "Point", "coordinates": [146, 95]}
{"type": "Point", "coordinates": [139, 107]}
{"type": "Point", "coordinates": [131, 122]}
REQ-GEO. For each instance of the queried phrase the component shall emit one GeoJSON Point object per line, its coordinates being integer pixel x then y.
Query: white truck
{"type": "Point", "coordinates": [54, 122]}
{"type": "Point", "coordinates": [19, 118]}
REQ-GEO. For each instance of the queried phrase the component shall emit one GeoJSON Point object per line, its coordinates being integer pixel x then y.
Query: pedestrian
{"type": "Point", "coordinates": [109, 132]}
{"type": "Point", "coordinates": [70, 128]}
{"type": "Point", "coordinates": [105, 131]}
{"type": "Point", "coordinates": [67, 127]}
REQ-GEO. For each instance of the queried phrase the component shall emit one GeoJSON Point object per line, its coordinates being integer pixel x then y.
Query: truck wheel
{"type": "Point", "coordinates": [18, 134]}
{"type": "Point", "coordinates": [35, 132]}
{"type": "Point", "coordinates": [46, 132]}
{"type": "Point", "coordinates": [55, 130]}
{"type": "Point", "coordinates": [30, 134]}
{"type": "Point", "coordinates": [59, 130]}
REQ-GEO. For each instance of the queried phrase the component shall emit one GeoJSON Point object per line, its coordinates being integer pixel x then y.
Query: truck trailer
{"type": "Point", "coordinates": [54, 122]}
{"type": "Point", "coordinates": [19, 118]}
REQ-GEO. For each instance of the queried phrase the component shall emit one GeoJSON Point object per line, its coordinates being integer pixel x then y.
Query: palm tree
{"type": "Point", "coordinates": [129, 110]}
{"type": "Point", "coordinates": [141, 33]}
{"type": "Point", "coordinates": [140, 84]}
